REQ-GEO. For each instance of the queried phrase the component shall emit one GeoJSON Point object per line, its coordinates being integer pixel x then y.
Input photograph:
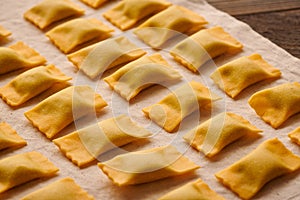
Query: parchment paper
{"type": "Point", "coordinates": [91, 178]}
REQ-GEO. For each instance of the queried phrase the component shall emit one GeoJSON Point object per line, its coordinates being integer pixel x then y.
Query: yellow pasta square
{"type": "Point", "coordinates": [94, 3]}
{"type": "Point", "coordinates": [167, 24]}
{"type": "Point", "coordinates": [19, 56]}
{"type": "Point", "coordinates": [21, 168]}
{"type": "Point", "coordinates": [268, 161]}
{"type": "Point", "coordinates": [9, 138]}
{"type": "Point", "coordinates": [113, 52]}
{"type": "Point", "coordinates": [171, 110]}
{"type": "Point", "coordinates": [213, 135]}
{"type": "Point", "coordinates": [138, 75]}
{"type": "Point", "coordinates": [47, 12]}
{"type": "Point", "coordinates": [63, 189]}
{"type": "Point", "coordinates": [59, 110]}
{"type": "Point", "coordinates": [31, 83]}
{"type": "Point", "coordinates": [275, 105]}
{"type": "Point", "coordinates": [194, 190]}
{"type": "Point", "coordinates": [85, 145]}
{"type": "Point", "coordinates": [237, 75]}
{"type": "Point", "coordinates": [147, 166]}
{"type": "Point", "coordinates": [77, 33]}
{"type": "Point", "coordinates": [4, 33]}
{"type": "Point", "coordinates": [204, 45]}
{"type": "Point", "coordinates": [129, 12]}
{"type": "Point", "coordinates": [295, 135]}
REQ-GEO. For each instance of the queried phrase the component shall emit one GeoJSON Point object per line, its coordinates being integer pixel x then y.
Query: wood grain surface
{"type": "Point", "coordinates": [277, 20]}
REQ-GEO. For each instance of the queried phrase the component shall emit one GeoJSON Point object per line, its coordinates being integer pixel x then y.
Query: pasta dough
{"type": "Point", "coordinates": [275, 105]}
{"type": "Point", "coordinates": [21, 168]}
{"type": "Point", "coordinates": [213, 135]}
{"type": "Point", "coordinates": [31, 83]}
{"type": "Point", "coordinates": [94, 3]}
{"type": "Point", "coordinates": [237, 75]}
{"type": "Point", "coordinates": [4, 33]}
{"type": "Point", "coordinates": [128, 12]}
{"type": "Point", "coordinates": [113, 52]}
{"type": "Point", "coordinates": [295, 135]}
{"type": "Point", "coordinates": [171, 110]}
{"type": "Point", "coordinates": [59, 110]}
{"type": "Point", "coordinates": [85, 145]}
{"type": "Point", "coordinates": [76, 33]}
{"type": "Point", "coordinates": [268, 161]}
{"type": "Point", "coordinates": [146, 166]}
{"type": "Point", "coordinates": [204, 45]}
{"type": "Point", "coordinates": [47, 12]}
{"type": "Point", "coordinates": [19, 56]}
{"type": "Point", "coordinates": [9, 138]}
{"type": "Point", "coordinates": [63, 189]}
{"type": "Point", "coordinates": [136, 76]}
{"type": "Point", "coordinates": [194, 190]}
{"type": "Point", "coordinates": [167, 24]}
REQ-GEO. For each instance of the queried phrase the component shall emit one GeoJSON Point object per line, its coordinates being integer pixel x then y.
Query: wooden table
{"type": "Point", "coordinates": [278, 20]}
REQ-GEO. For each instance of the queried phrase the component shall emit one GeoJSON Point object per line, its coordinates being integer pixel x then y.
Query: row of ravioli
{"type": "Point", "coordinates": [147, 165]}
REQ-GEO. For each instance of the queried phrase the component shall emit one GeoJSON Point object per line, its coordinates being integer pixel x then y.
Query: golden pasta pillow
{"type": "Point", "coordinates": [295, 135]}
{"type": "Point", "coordinates": [19, 56]}
{"type": "Point", "coordinates": [194, 190]}
{"type": "Point", "coordinates": [94, 3]}
{"type": "Point", "coordinates": [47, 12]}
{"type": "Point", "coordinates": [204, 45]}
{"type": "Point", "coordinates": [9, 138]}
{"type": "Point", "coordinates": [268, 161]}
{"type": "Point", "coordinates": [63, 189]}
{"type": "Point", "coordinates": [77, 33]}
{"type": "Point", "coordinates": [167, 24]}
{"type": "Point", "coordinates": [275, 105]}
{"type": "Point", "coordinates": [22, 168]}
{"type": "Point", "coordinates": [213, 135]}
{"type": "Point", "coordinates": [31, 83]}
{"type": "Point", "coordinates": [136, 76]}
{"type": "Point", "coordinates": [59, 110]}
{"type": "Point", "coordinates": [129, 12]}
{"type": "Point", "coordinates": [171, 110]}
{"type": "Point", "coordinates": [4, 33]}
{"type": "Point", "coordinates": [147, 166]}
{"type": "Point", "coordinates": [237, 75]}
{"type": "Point", "coordinates": [85, 145]}
{"type": "Point", "coordinates": [113, 52]}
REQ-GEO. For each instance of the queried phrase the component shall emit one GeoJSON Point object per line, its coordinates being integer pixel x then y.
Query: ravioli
{"type": "Point", "coordinates": [31, 83]}
{"type": "Point", "coordinates": [85, 145]}
{"type": "Point", "coordinates": [213, 135]}
{"type": "Point", "coordinates": [136, 76]}
{"type": "Point", "coordinates": [19, 56]}
{"type": "Point", "coordinates": [295, 135]}
{"type": "Point", "coordinates": [94, 3]}
{"type": "Point", "coordinates": [147, 166]}
{"type": "Point", "coordinates": [113, 52]}
{"type": "Point", "coordinates": [59, 110]}
{"type": "Point", "coordinates": [77, 33]}
{"type": "Point", "coordinates": [268, 161]}
{"type": "Point", "coordinates": [204, 45]}
{"type": "Point", "coordinates": [47, 12]}
{"type": "Point", "coordinates": [172, 109]}
{"type": "Point", "coordinates": [127, 13]}
{"type": "Point", "coordinates": [22, 168]}
{"type": "Point", "coordinates": [167, 24]}
{"type": "Point", "coordinates": [4, 33]}
{"type": "Point", "coordinates": [63, 189]}
{"type": "Point", "coordinates": [193, 190]}
{"type": "Point", "coordinates": [275, 105]}
{"type": "Point", "coordinates": [9, 138]}
{"type": "Point", "coordinates": [237, 75]}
